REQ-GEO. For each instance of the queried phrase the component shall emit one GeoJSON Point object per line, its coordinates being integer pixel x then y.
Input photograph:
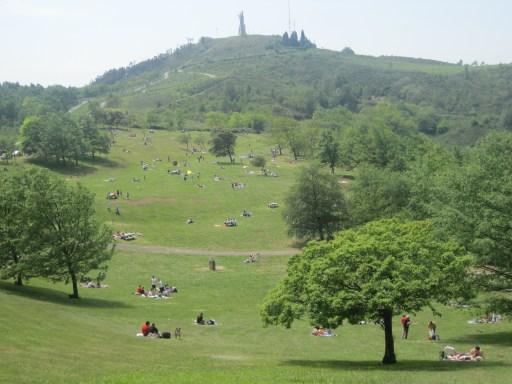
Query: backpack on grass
{"type": "Point", "coordinates": [166, 335]}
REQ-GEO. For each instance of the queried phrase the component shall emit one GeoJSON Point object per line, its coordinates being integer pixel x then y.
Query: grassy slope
{"type": "Point", "coordinates": [48, 339]}
{"type": "Point", "coordinates": [200, 72]}
{"type": "Point", "coordinates": [160, 205]}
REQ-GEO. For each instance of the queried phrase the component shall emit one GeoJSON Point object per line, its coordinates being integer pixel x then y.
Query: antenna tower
{"type": "Point", "coordinates": [289, 18]}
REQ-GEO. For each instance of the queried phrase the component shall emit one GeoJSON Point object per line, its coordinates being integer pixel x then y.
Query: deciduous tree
{"type": "Point", "coordinates": [372, 272]}
{"type": "Point", "coordinates": [223, 144]}
{"type": "Point", "coordinates": [315, 205]}
{"type": "Point", "coordinates": [75, 241]}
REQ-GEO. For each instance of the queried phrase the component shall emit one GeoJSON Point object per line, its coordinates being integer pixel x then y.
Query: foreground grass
{"type": "Point", "coordinates": [46, 338]}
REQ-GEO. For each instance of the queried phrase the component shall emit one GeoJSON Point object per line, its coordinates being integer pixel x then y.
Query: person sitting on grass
{"type": "Point", "coordinates": [476, 353]}
{"type": "Point", "coordinates": [153, 331]}
{"type": "Point", "coordinates": [200, 319]}
{"type": "Point", "coordinates": [145, 328]}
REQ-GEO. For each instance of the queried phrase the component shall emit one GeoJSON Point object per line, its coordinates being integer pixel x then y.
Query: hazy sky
{"type": "Point", "coordinates": [70, 42]}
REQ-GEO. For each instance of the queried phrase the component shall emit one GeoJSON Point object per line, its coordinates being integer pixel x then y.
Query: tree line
{"type": "Point", "coordinates": [57, 136]}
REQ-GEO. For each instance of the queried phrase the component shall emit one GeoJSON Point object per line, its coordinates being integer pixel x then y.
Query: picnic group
{"type": "Point", "coordinates": [158, 289]}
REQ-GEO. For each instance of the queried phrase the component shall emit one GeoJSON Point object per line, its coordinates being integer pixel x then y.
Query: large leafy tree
{"type": "Point", "coordinates": [374, 271]}
{"type": "Point", "coordinates": [315, 205]}
{"type": "Point", "coordinates": [223, 144]}
{"type": "Point", "coordinates": [75, 242]}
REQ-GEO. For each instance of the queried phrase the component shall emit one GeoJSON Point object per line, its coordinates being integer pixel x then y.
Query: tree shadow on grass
{"type": "Point", "coordinates": [102, 161]}
{"type": "Point", "coordinates": [85, 166]}
{"type": "Point", "coordinates": [404, 365]}
{"type": "Point", "coordinates": [496, 338]}
{"type": "Point", "coordinates": [58, 297]}
{"type": "Point", "coordinates": [70, 169]}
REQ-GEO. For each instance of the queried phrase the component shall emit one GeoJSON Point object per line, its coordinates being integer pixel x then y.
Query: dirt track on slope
{"type": "Point", "coordinates": [199, 252]}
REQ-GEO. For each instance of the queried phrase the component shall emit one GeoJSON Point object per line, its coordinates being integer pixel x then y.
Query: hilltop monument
{"type": "Point", "coordinates": [241, 29]}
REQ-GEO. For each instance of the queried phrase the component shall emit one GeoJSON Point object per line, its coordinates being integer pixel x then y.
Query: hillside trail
{"type": "Point", "coordinates": [200, 252]}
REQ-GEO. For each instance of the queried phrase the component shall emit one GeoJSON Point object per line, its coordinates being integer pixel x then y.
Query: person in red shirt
{"type": "Point", "coordinates": [405, 321]}
{"type": "Point", "coordinates": [145, 328]}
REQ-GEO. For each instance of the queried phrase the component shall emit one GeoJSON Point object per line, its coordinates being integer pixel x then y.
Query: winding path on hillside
{"type": "Point", "coordinates": [199, 252]}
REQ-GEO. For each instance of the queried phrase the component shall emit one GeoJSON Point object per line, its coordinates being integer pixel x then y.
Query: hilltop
{"type": "Point", "coordinates": [258, 74]}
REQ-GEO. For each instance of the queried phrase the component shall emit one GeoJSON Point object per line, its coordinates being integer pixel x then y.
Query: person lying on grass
{"type": "Point", "coordinates": [475, 354]}
{"type": "Point", "coordinates": [320, 331]}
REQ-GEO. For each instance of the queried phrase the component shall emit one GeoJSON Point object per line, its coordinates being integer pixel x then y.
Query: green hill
{"type": "Point", "coordinates": [258, 73]}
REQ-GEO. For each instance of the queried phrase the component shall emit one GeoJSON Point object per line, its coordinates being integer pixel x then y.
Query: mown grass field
{"type": "Point", "coordinates": [160, 204]}
{"type": "Point", "coordinates": [46, 338]}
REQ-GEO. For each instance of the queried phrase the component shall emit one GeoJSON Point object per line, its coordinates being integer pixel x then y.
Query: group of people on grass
{"type": "Point", "coordinates": [149, 329]}
{"type": "Point", "coordinates": [158, 289]}
{"type": "Point", "coordinates": [252, 258]}
{"type": "Point", "coordinates": [405, 322]}
{"type": "Point", "coordinates": [230, 222]}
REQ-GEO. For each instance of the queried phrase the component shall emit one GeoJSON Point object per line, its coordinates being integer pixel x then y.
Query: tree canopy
{"type": "Point", "coordinates": [223, 144]}
{"type": "Point", "coordinates": [315, 206]}
{"type": "Point", "coordinates": [374, 271]}
{"type": "Point", "coordinates": [48, 228]}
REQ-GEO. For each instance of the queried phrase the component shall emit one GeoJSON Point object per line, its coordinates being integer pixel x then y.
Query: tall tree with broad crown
{"type": "Point", "coordinates": [375, 271]}
{"type": "Point", "coordinates": [223, 144]}
{"type": "Point", "coordinates": [75, 241]}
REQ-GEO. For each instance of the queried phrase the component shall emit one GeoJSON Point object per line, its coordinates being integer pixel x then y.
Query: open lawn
{"type": "Point", "coordinates": [47, 338]}
{"type": "Point", "coordinates": [160, 204]}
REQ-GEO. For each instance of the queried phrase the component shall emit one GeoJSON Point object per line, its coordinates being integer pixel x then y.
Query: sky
{"type": "Point", "coordinates": [70, 42]}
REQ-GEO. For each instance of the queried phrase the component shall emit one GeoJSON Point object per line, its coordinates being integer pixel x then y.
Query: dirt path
{"type": "Point", "coordinates": [202, 252]}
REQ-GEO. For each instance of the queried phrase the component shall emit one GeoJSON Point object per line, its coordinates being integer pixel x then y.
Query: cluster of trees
{"type": "Point", "coordinates": [441, 216]}
{"type": "Point", "coordinates": [248, 121]}
{"type": "Point", "coordinates": [293, 40]}
{"type": "Point", "coordinates": [58, 136]}
{"type": "Point", "coordinates": [18, 101]}
{"type": "Point", "coordinates": [48, 229]}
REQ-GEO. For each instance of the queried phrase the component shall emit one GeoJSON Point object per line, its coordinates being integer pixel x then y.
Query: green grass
{"type": "Point", "coordinates": [48, 338]}
{"type": "Point", "coordinates": [160, 203]}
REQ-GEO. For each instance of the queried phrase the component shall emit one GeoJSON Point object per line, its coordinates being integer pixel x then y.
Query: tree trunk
{"type": "Point", "coordinates": [19, 280]}
{"type": "Point", "coordinates": [389, 354]}
{"type": "Point", "coordinates": [332, 169]}
{"type": "Point", "coordinates": [280, 150]}
{"type": "Point", "coordinates": [75, 286]}
{"type": "Point", "coordinates": [230, 158]}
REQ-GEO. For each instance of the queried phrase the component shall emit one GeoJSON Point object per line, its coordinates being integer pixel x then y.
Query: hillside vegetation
{"type": "Point", "coordinates": [258, 73]}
